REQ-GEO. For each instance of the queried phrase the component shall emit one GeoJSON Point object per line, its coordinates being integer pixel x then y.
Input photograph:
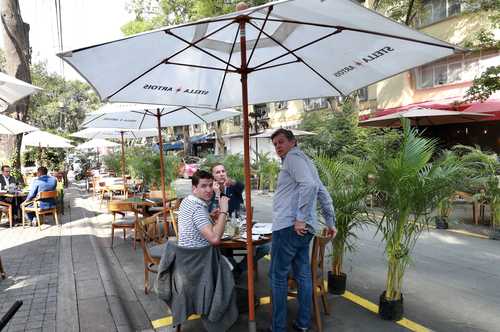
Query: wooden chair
{"type": "Point", "coordinates": [120, 207]}
{"type": "Point", "coordinates": [3, 275]}
{"type": "Point", "coordinates": [39, 212]}
{"type": "Point", "coordinates": [152, 244]}
{"type": "Point", "coordinates": [7, 209]}
{"type": "Point", "coordinates": [318, 279]}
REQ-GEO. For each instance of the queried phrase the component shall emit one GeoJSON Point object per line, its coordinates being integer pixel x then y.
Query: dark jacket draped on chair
{"type": "Point", "coordinates": [197, 281]}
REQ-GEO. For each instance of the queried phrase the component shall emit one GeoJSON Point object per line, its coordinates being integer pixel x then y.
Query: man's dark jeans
{"type": "Point", "coordinates": [290, 251]}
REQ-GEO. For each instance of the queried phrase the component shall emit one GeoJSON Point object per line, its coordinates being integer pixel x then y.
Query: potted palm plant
{"type": "Point", "coordinates": [345, 181]}
{"type": "Point", "coordinates": [410, 185]}
{"type": "Point", "coordinates": [484, 174]}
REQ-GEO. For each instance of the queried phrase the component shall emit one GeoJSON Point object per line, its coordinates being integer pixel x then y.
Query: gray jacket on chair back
{"type": "Point", "coordinates": [197, 281]}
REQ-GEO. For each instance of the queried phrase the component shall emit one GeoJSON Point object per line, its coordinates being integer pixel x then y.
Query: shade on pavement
{"type": "Point", "coordinates": [96, 143]}
{"type": "Point", "coordinates": [11, 126]}
{"type": "Point", "coordinates": [278, 51]}
{"type": "Point", "coordinates": [43, 139]}
{"type": "Point", "coordinates": [13, 89]}
{"type": "Point", "coordinates": [423, 117]}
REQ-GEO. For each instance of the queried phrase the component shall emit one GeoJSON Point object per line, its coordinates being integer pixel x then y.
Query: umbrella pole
{"type": "Point", "coordinates": [123, 162]}
{"type": "Point", "coordinates": [248, 185]}
{"type": "Point", "coordinates": [162, 171]}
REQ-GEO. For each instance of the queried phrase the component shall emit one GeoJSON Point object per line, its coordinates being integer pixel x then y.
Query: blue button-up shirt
{"type": "Point", "coordinates": [298, 190]}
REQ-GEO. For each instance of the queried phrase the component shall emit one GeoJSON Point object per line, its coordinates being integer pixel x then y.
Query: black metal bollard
{"type": "Point", "coordinates": [8, 316]}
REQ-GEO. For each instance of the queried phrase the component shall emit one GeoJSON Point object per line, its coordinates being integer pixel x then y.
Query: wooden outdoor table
{"type": "Point", "coordinates": [16, 196]}
{"type": "Point", "coordinates": [234, 243]}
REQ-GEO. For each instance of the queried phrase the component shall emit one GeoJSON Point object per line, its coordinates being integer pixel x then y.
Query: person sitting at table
{"type": "Point", "coordinates": [196, 228]}
{"type": "Point", "coordinates": [7, 181]}
{"type": "Point", "coordinates": [193, 277]}
{"type": "Point", "coordinates": [41, 184]}
{"type": "Point", "coordinates": [227, 187]}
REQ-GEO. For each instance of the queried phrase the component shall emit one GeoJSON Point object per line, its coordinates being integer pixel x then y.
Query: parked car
{"type": "Point", "coordinates": [189, 166]}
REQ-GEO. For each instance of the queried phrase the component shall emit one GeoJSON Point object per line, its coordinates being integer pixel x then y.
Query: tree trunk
{"type": "Point", "coordinates": [220, 144]}
{"type": "Point", "coordinates": [17, 61]}
{"type": "Point", "coordinates": [185, 134]}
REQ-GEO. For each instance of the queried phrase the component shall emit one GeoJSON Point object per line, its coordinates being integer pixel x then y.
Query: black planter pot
{"type": "Point", "coordinates": [390, 310]}
{"type": "Point", "coordinates": [495, 234]}
{"type": "Point", "coordinates": [441, 223]}
{"type": "Point", "coordinates": [336, 283]}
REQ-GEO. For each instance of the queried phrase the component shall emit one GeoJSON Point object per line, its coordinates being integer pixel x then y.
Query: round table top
{"type": "Point", "coordinates": [240, 243]}
{"type": "Point", "coordinates": [16, 194]}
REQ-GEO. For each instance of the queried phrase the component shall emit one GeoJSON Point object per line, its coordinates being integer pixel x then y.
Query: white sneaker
{"type": "Point", "coordinates": [34, 222]}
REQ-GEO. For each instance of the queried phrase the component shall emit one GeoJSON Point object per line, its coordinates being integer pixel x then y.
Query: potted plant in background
{"type": "Point", "coordinates": [484, 176]}
{"type": "Point", "coordinates": [346, 184]}
{"type": "Point", "coordinates": [410, 186]}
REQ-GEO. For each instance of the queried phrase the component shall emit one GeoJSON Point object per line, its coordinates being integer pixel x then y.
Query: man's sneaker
{"type": "Point", "coordinates": [34, 222]}
{"type": "Point", "coordinates": [298, 328]}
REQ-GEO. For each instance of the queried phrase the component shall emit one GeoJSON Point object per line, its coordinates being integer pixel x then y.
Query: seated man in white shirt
{"type": "Point", "coordinates": [196, 229]}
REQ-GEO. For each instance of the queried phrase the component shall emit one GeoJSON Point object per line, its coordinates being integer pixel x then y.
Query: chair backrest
{"type": "Point", "coordinates": [147, 232]}
{"type": "Point", "coordinates": [121, 206]}
{"type": "Point", "coordinates": [155, 194]}
{"type": "Point", "coordinates": [318, 256]}
{"type": "Point", "coordinates": [47, 194]}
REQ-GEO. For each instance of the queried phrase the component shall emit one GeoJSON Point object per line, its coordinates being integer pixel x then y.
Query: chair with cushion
{"type": "Point", "coordinates": [34, 206]}
{"type": "Point", "coordinates": [152, 244]}
{"type": "Point", "coordinates": [127, 221]}
{"type": "Point", "coordinates": [318, 279]}
{"type": "Point", "coordinates": [7, 209]}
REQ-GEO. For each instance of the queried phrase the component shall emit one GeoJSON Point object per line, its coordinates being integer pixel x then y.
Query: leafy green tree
{"type": "Point", "coordinates": [484, 85]}
{"type": "Point", "coordinates": [62, 104]}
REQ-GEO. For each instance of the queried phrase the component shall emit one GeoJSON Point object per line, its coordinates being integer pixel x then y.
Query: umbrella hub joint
{"type": "Point", "coordinates": [242, 18]}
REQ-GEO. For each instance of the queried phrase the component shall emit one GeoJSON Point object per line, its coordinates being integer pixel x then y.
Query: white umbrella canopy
{"type": "Point", "coordinates": [330, 47]}
{"type": "Point", "coordinates": [96, 143]}
{"type": "Point", "coordinates": [12, 89]}
{"type": "Point", "coordinates": [11, 126]}
{"type": "Point", "coordinates": [268, 132]}
{"type": "Point", "coordinates": [423, 117]}
{"type": "Point", "coordinates": [43, 139]}
{"type": "Point", "coordinates": [139, 116]}
{"type": "Point", "coordinates": [114, 133]}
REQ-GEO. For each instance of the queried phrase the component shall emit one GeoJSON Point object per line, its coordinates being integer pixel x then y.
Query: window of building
{"type": "Point", "coordinates": [281, 105]}
{"type": "Point", "coordinates": [437, 10]}
{"type": "Point", "coordinates": [363, 94]}
{"type": "Point", "coordinates": [453, 70]}
{"type": "Point", "coordinates": [237, 120]}
{"type": "Point", "coordinates": [315, 103]}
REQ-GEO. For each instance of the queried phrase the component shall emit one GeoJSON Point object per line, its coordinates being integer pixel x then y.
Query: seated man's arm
{"type": "Point", "coordinates": [33, 191]}
{"type": "Point", "coordinates": [213, 233]}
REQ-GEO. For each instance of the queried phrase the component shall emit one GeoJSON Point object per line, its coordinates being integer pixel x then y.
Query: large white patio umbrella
{"type": "Point", "coordinates": [116, 133]}
{"type": "Point", "coordinates": [13, 89]}
{"type": "Point", "coordinates": [141, 116]}
{"type": "Point", "coordinates": [11, 126]}
{"type": "Point", "coordinates": [423, 117]}
{"type": "Point", "coordinates": [43, 139]}
{"type": "Point", "coordinates": [278, 51]}
{"type": "Point", "coordinates": [96, 143]}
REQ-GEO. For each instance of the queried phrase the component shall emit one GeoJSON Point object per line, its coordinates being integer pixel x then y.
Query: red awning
{"type": "Point", "coordinates": [490, 106]}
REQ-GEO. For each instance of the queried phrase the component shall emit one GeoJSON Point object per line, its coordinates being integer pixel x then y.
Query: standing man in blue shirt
{"type": "Point", "coordinates": [294, 225]}
{"type": "Point", "coordinates": [42, 183]}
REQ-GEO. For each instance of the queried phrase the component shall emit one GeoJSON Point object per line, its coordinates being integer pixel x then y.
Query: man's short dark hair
{"type": "Point", "coordinates": [200, 174]}
{"type": "Point", "coordinates": [42, 170]}
{"type": "Point", "coordinates": [4, 167]}
{"type": "Point", "coordinates": [287, 133]}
